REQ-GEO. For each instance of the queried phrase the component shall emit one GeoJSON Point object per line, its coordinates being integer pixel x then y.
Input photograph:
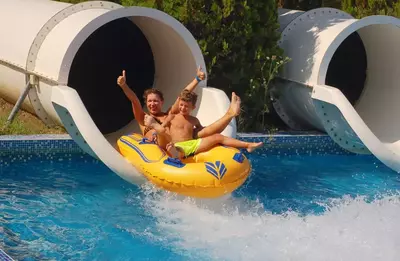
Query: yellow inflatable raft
{"type": "Point", "coordinates": [211, 174]}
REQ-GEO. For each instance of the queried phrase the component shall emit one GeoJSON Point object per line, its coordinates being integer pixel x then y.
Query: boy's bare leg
{"type": "Point", "coordinates": [208, 142]}
{"type": "Point", "coordinates": [220, 125]}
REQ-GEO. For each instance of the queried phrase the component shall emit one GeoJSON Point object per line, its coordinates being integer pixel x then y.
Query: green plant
{"type": "Point", "coordinates": [16, 127]}
{"type": "Point", "coordinates": [26, 127]}
{"type": "Point", "coordinates": [258, 95]}
{"type": "Point", "coordinates": [274, 66]}
{"type": "Point", "coordinates": [363, 8]}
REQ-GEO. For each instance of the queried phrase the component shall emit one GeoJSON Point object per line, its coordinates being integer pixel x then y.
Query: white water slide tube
{"type": "Point", "coordinates": [343, 79]}
{"type": "Point", "coordinates": [71, 55]}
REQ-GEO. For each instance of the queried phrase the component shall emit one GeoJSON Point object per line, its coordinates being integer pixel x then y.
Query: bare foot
{"type": "Point", "coordinates": [173, 151]}
{"type": "Point", "coordinates": [253, 146]}
{"type": "Point", "coordinates": [234, 108]}
{"type": "Point", "coordinates": [149, 121]}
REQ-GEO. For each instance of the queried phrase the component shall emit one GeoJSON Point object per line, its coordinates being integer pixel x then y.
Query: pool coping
{"type": "Point", "coordinates": [239, 135]}
{"type": "Point", "coordinates": [36, 137]}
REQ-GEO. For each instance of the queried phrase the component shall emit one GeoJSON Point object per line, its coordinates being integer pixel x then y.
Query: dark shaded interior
{"type": "Point", "coordinates": [116, 46]}
{"type": "Point", "coordinates": [347, 70]}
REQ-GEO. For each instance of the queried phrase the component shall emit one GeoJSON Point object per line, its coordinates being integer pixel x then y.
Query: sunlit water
{"type": "Point", "coordinates": [293, 208]}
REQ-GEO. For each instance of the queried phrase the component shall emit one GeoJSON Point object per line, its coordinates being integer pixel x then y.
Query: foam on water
{"type": "Point", "coordinates": [237, 229]}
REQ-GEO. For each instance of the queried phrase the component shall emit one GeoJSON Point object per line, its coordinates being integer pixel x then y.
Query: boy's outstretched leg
{"type": "Point", "coordinates": [220, 125]}
{"type": "Point", "coordinates": [208, 142]}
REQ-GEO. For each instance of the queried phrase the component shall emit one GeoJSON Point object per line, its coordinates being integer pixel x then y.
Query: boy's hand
{"type": "Point", "coordinates": [121, 81]}
{"type": "Point", "coordinates": [200, 73]}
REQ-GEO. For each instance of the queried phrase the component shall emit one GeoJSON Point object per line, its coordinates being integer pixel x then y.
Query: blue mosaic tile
{"type": "Point", "coordinates": [35, 144]}
{"type": "Point", "coordinates": [283, 134]}
{"type": "Point", "coordinates": [283, 143]}
{"type": "Point", "coordinates": [52, 157]}
{"type": "Point", "coordinates": [288, 144]}
{"type": "Point", "coordinates": [4, 256]}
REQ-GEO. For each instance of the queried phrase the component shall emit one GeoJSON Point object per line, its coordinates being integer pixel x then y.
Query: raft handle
{"type": "Point", "coordinates": [146, 141]}
{"type": "Point", "coordinates": [174, 162]}
{"type": "Point", "coordinates": [239, 157]}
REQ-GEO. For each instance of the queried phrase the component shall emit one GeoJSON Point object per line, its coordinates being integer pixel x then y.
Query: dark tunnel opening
{"type": "Point", "coordinates": [347, 70]}
{"type": "Point", "coordinates": [116, 46]}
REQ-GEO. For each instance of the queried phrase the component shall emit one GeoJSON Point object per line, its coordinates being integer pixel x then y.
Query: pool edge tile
{"type": "Point", "coordinates": [36, 137]}
{"type": "Point", "coordinates": [281, 143]}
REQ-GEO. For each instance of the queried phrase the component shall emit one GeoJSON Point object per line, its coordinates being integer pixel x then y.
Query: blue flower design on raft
{"type": "Point", "coordinates": [218, 169]}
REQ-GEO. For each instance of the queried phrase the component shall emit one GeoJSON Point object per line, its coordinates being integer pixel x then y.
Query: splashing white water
{"type": "Point", "coordinates": [235, 229]}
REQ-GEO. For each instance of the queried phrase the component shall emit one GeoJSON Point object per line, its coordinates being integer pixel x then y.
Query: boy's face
{"type": "Point", "coordinates": [185, 108]}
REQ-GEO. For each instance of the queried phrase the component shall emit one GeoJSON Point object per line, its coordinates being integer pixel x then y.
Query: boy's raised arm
{"type": "Point", "coordinates": [200, 76]}
{"type": "Point", "coordinates": [136, 106]}
{"type": "Point", "coordinates": [168, 120]}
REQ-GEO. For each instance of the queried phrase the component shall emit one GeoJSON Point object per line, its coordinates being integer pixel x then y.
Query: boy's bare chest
{"type": "Point", "coordinates": [182, 123]}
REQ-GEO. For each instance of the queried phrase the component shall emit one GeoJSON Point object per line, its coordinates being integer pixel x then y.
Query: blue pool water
{"type": "Point", "coordinates": [291, 208]}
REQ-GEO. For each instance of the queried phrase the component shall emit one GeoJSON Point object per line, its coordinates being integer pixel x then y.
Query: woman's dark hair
{"type": "Point", "coordinates": [153, 91]}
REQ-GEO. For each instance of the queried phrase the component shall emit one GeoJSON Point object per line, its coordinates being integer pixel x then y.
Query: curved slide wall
{"type": "Point", "coordinates": [343, 79]}
{"type": "Point", "coordinates": [74, 54]}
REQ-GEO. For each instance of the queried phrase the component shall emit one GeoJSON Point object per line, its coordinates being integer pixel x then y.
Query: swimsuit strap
{"type": "Point", "coordinates": [157, 120]}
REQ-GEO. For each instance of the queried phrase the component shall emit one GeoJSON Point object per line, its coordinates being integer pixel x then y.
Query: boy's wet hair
{"type": "Point", "coordinates": [153, 91]}
{"type": "Point", "coordinates": [188, 96]}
